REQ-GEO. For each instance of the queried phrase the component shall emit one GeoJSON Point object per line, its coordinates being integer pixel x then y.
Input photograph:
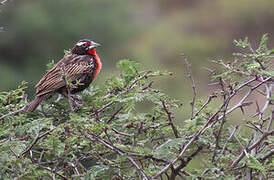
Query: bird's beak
{"type": "Point", "coordinates": [94, 45]}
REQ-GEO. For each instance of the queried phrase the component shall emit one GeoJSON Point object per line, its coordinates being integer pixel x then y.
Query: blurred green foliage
{"type": "Point", "coordinates": [38, 31]}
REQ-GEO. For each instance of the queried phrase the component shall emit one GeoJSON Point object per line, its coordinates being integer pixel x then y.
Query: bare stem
{"type": "Point", "coordinates": [189, 75]}
{"type": "Point", "coordinates": [93, 137]}
{"type": "Point", "coordinates": [170, 120]}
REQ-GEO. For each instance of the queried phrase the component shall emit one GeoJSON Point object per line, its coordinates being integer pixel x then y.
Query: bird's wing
{"type": "Point", "coordinates": [70, 69]}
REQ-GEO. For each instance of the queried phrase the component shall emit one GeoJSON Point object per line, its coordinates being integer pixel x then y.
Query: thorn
{"type": "Point", "coordinates": [242, 109]}
{"type": "Point", "coordinates": [258, 108]}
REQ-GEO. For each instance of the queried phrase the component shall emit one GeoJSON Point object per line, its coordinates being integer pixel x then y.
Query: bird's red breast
{"type": "Point", "coordinates": [98, 61]}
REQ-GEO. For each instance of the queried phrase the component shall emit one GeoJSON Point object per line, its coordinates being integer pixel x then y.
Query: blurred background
{"type": "Point", "coordinates": [154, 33]}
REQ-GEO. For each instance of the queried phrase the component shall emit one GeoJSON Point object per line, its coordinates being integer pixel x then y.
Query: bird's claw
{"type": "Point", "coordinates": [75, 102]}
{"type": "Point", "coordinates": [59, 98]}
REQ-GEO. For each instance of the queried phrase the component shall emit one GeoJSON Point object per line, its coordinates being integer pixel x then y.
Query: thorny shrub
{"type": "Point", "coordinates": [109, 138]}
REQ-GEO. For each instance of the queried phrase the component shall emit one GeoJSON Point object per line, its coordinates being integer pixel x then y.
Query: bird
{"type": "Point", "coordinates": [72, 74]}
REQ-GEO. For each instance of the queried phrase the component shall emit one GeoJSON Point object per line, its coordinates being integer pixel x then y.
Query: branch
{"type": "Point", "coordinates": [93, 137]}
{"type": "Point", "coordinates": [53, 171]}
{"type": "Point", "coordinates": [205, 104]}
{"type": "Point", "coordinates": [207, 125]}
{"type": "Point", "coordinates": [189, 75]}
{"type": "Point", "coordinates": [220, 130]}
{"type": "Point", "coordinates": [170, 120]}
{"type": "Point", "coordinates": [268, 90]}
{"type": "Point", "coordinates": [270, 154]}
{"type": "Point", "coordinates": [22, 110]}
{"type": "Point", "coordinates": [3, 2]}
{"type": "Point", "coordinates": [271, 119]}
{"type": "Point", "coordinates": [184, 163]}
{"type": "Point", "coordinates": [146, 75]}
{"type": "Point", "coordinates": [256, 59]}
{"type": "Point", "coordinates": [255, 144]}
{"type": "Point", "coordinates": [114, 115]}
{"type": "Point", "coordinates": [38, 137]}
{"type": "Point", "coordinates": [229, 139]}
{"type": "Point", "coordinates": [184, 148]}
{"type": "Point", "coordinates": [241, 103]}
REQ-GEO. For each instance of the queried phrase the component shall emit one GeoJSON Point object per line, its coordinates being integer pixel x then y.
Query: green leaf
{"type": "Point", "coordinates": [128, 65]}
{"type": "Point", "coordinates": [50, 65]}
{"type": "Point", "coordinates": [242, 43]}
{"type": "Point", "coordinates": [255, 164]}
{"type": "Point", "coordinates": [167, 149]}
{"type": "Point", "coordinates": [130, 69]}
{"type": "Point", "coordinates": [98, 171]}
{"type": "Point", "coordinates": [269, 52]}
{"type": "Point", "coordinates": [262, 46]}
{"type": "Point", "coordinates": [66, 52]}
{"type": "Point", "coordinates": [267, 73]}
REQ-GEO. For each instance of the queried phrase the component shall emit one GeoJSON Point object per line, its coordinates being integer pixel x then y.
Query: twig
{"type": "Point", "coordinates": [205, 104]}
{"type": "Point", "coordinates": [218, 136]}
{"type": "Point", "coordinates": [268, 155]}
{"type": "Point", "coordinates": [38, 137]}
{"type": "Point", "coordinates": [93, 137]}
{"type": "Point", "coordinates": [208, 124]}
{"type": "Point", "coordinates": [114, 114]}
{"type": "Point", "coordinates": [121, 133]}
{"type": "Point", "coordinates": [244, 148]}
{"type": "Point", "coordinates": [22, 110]}
{"type": "Point", "coordinates": [240, 104]}
{"type": "Point", "coordinates": [14, 153]}
{"type": "Point", "coordinates": [146, 75]}
{"type": "Point", "coordinates": [3, 2]}
{"type": "Point", "coordinates": [13, 113]}
{"type": "Point", "coordinates": [184, 148]}
{"type": "Point", "coordinates": [229, 139]}
{"type": "Point", "coordinates": [253, 126]}
{"type": "Point", "coordinates": [255, 144]}
{"type": "Point", "coordinates": [170, 120]}
{"type": "Point", "coordinates": [189, 75]}
{"type": "Point", "coordinates": [184, 163]}
{"type": "Point", "coordinates": [75, 169]}
{"type": "Point", "coordinates": [268, 90]}
{"type": "Point", "coordinates": [52, 171]}
{"type": "Point", "coordinates": [271, 119]}
{"type": "Point", "coordinates": [256, 59]}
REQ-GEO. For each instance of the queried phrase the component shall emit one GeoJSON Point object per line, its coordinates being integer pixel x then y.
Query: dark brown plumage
{"type": "Point", "coordinates": [70, 75]}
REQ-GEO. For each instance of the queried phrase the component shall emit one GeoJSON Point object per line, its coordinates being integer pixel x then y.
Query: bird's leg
{"type": "Point", "coordinates": [60, 96]}
{"type": "Point", "coordinates": [68, 95]}
{"type": "Point", "coordinates": [77, 100]}
{"type": "Point", "coordinates": [74, 100]}
{"type": "Point", "coordinates": [25, 96]}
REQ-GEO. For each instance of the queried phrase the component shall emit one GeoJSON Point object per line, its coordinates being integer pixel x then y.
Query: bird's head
{"type": "Point", "coordinates": [85, 47]}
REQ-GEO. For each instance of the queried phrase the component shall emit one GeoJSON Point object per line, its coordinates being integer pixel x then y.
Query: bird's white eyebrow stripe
{"type": "Point", "coordinates": [80, 43]}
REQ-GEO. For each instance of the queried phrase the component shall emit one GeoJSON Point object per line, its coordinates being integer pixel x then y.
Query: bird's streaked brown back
{"type": "Point", "coordinates": [73, 66]}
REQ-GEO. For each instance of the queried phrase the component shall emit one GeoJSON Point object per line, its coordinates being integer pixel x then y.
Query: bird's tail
{"type": "Point", "coordinates": [29, 107]}
{"type": "Point", "coordinates": [33, 104]}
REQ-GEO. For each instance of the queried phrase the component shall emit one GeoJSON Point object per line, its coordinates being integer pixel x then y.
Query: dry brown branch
{"type": "Point", "coordinates": [248, 149]}
{"type": "Point", "coordinates": [189, 75]}
{"type": "Point", "coordinates": [38, 137]}
{"type": "Point", "coordinates": [94, 138]}
{"type": "Point", "coordinates": [170, 120]}
{"type": "Point", "coordinates": [183, 163]}
{"type": "Point", "coordinates": [212, 120]}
